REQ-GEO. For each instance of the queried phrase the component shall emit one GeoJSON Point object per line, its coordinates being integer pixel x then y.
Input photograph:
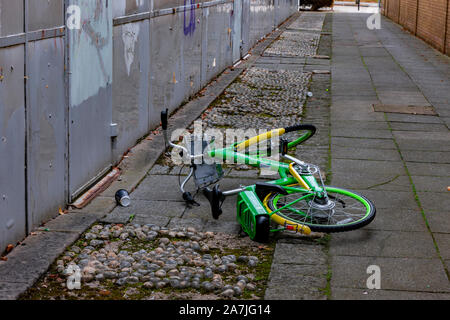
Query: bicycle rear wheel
{"type": "Point", "coordinates": [342, 210]}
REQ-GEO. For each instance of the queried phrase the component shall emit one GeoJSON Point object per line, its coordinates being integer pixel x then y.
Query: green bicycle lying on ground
{"type": "Point", "coordinates": [297, 201]}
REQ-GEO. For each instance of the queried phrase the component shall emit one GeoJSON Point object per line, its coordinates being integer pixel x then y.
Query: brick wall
{"type": "Point", "coordinates": [427, 19]}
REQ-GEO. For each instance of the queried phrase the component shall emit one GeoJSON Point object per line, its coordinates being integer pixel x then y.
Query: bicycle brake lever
{"type": "Point", "coordinates": [187, 196]}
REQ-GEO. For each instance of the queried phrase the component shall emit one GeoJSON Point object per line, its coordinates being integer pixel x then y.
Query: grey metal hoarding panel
{"type": "Point", "coordinates": [12, 146]}
{"type": "Point", "coordinates": [237, 29]}
{"type": "Point", "coordinates": [261, 19]}
{"type": "Point", "coordinates": [47, 138]}
{"type": "Point", "coordinates": [245, 32]}
{"type": "Point", "coordinates": [44, 14]}
{"type": "Point", "coordinates": [130, 84]}
{"type": "Point", "coordinates": [90, 94]}
{"type": "Point", "coordinates": [219, 39]}
{"type": "Point", "coordinates": [127, 7]}
{"type": "Point", "coordinates": [163, 4]}
{"type": "Point", "coordinates": [11, 17]}
{"type": "Point", "coordinates": [175, 53]}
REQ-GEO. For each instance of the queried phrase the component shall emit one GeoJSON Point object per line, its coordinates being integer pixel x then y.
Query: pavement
{"type": "Point", "coordinates": [400, 161]}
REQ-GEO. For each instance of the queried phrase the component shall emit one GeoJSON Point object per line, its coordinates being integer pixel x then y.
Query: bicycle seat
{"type": "Point", "coordinates": [215, 198]}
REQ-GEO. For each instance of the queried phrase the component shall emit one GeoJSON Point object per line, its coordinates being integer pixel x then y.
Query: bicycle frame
{"type": "Point", "coordinates": [306, 183]}
{"type": "Point", "coordinates": [251, 212]}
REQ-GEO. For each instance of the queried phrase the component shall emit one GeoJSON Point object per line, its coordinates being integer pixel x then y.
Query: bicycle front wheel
{"type": "Point", "coordinates": [342, 210]}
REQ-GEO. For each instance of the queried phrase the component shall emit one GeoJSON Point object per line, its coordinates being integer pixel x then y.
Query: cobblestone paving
{"type": "Point", "coordinates": [150, 262]}
{"type": "Point", "coordinates": [296, 41]}
{"type": "Point", "coordinates": [294, 44]}
{"type": "Point", "coordinates": [261, 99]}
{"type": "Point", "coordinates": [309, 21]}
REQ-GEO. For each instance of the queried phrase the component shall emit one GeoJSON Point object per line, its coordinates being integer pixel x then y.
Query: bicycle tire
{"type": "Point", "coordinates": [262, 228]}
{"type": "Point", "coordinates": [281, 217]}
{"type": "Point", "coordinates": [304, 137]}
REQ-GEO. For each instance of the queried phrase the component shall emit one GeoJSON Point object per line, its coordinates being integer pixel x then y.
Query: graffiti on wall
{"type": "Point", "coordinates": [189, 17]}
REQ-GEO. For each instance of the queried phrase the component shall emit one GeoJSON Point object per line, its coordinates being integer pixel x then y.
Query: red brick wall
{"type": "Point", "coordinates": [428, 19]}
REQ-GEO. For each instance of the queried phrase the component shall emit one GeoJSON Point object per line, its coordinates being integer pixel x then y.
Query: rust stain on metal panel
{"type": "Point", "coordinates": [101, 186]}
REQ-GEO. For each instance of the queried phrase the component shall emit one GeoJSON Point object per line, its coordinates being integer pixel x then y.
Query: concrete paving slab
{"type": "Point", "coordinates": [198, 224]}
{"type": "Point", "coordinates": [439, 221]}
{"type": "Point", "coordinates": [296, 282]}
{"type": "Point", "coordinates": [443, 243]}
{"type": "Point", "coordinates": [204, 210]}
{"type": "Point", "coordinates": [299, 253]}
{"type": "Point", "coordinates": [428, 169]}
{"type": "Point", "coordinates": [339, 114]}
{"type": "Point", "coordinates": [10, 290]}
{"type": "Point", "coordinates": [367, 294]}
{"type": "Point", "coordinates": [368, 181]}
{"type": "Point", "coordinates": [406, 274]}
{"type": "Point", "coordinates": [367, 133]}
{"type": "Point", "coordinates": [398, 219]}
{"type": "Point", "coordinates": [152, 207]}
{"type": "Point", "coordinates": [390, 200]}
{"type": "Point", "coordinates": [72, 222]}
{"type": "Point", "coordinates": [412, 126]}
{"type": "Point", "coordinates": [99, 204]}
{"type": "Point", "coordinates": [434, 201]}
{"type": "Point", "coordinates": [365, 154]}
{"type": "Point", "coordinates": [378, 243]}
{"type": "Point", "coordinates": [412, 118]}
{"type": "Point", "coordinates": [423, 136]}
{"type": "Point", "coordinates": [367, 166]}
{"type": "Point", "coordinates": [431, 184]}
{"type": "Point", "coordinates": [426, 156]}
{"type": "Point", "coordinates": [360, 125]}
{"type": "Point", "coordinates": [382, 144]}
{"type": "Point", "coordinates": [27, 262]}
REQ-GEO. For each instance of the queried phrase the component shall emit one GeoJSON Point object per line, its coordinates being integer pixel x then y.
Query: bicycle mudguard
{"type": "Point", "coordinates": [252, 216]}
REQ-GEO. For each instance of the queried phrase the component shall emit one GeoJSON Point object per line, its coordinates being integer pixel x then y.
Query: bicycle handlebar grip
{"type": "Point", "coordinates": [164, 115]}
{"type": "Point", "coordinates": [299, 127]}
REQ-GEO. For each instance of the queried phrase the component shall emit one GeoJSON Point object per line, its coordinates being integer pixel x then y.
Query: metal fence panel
{"type": "Point", "coordinates": [261, 19]}
{"type": "Point", "coordinates": [12, 146]}
{"type": "Point", "coordinates": [47, 125]}
{"type": "Point", "coordinates": [127, 7]}
{"type": "Point", "coordinates": [90, 95]}
{"type": "Point", "coordinates": [237, 30]}
{"type": "Point", "coordinates": [44, 14]}
{"type": "Point", "coordinates": [130, 84]}
{"type": "Point", "coordinates": [245, 32]}
{"type": "Point", "coordinates": [11, 17]}
{"type": "Point", "coordinates": [219, 39]}
{"type": "Point", "coordinates": [175, 53]}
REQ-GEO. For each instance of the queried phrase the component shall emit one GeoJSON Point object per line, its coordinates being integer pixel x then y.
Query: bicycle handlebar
{"type": "Point", "coordinates": [279, 132]}
{"type": "Point", "coordinates": [164, 115]}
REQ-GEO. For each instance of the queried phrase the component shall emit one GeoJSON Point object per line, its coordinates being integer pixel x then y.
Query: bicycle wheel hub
{"type": "Point", "coordinates": [322, 204]}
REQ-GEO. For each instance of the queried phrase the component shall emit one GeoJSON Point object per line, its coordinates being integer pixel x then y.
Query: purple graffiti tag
{"type": "Point", "coordinates": [190, 27]}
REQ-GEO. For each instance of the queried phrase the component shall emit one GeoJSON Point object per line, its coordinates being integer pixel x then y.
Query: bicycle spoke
{"type": "Point", "coordinates": [341, 208]}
